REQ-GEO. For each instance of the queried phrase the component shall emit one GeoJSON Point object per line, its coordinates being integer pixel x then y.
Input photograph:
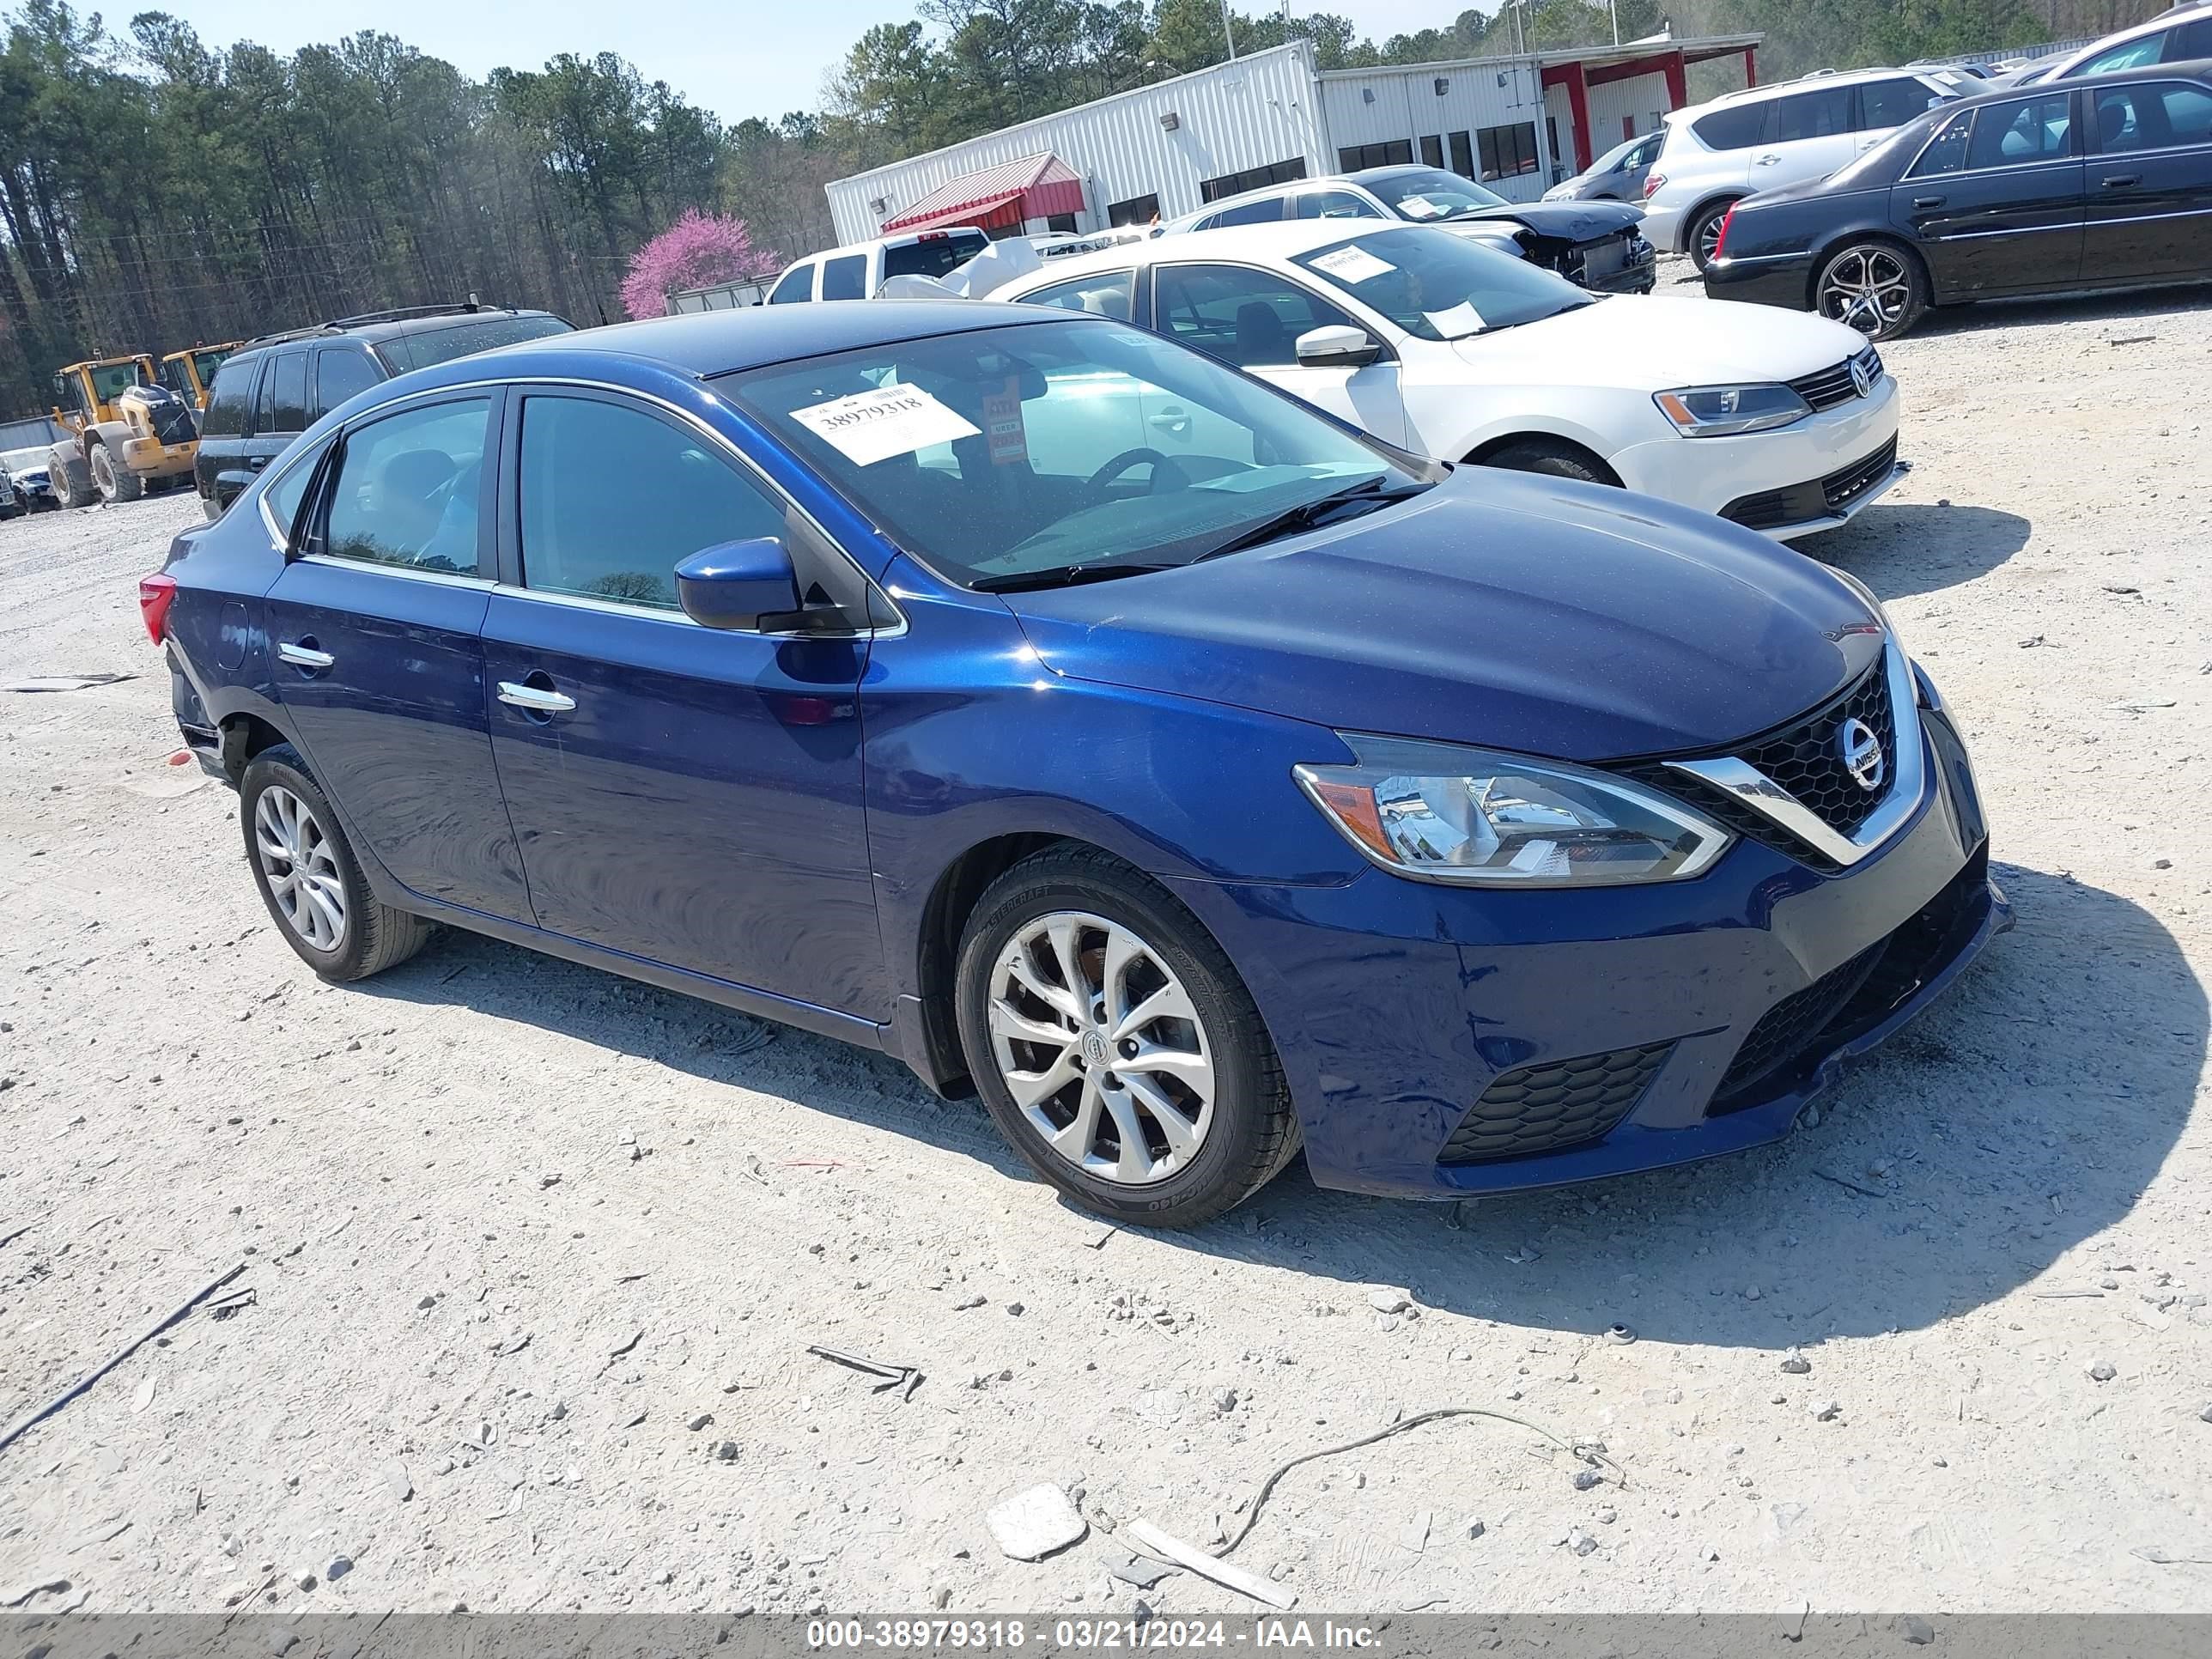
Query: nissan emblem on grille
{"type": "Point", "coordinates": [1861, 750]}
{"type": "Point", "coordinates": [1863, 381]}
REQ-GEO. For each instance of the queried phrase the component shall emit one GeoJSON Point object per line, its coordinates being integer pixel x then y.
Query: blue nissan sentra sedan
{"type": "Point", "coordinates": [870, 668]}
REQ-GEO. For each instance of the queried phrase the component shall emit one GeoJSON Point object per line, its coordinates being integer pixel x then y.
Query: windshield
{"type": "Point", "coordinates": [1067, 445]}
{"type": "Point", "coordinates": [1430, 195]}
{"type": "Point", "coordinates": [111, 380]}
{"type": "Point", "coordinates": [207, 362]}
{"type": "Point", "coordinates": [442, 345]}
{"type": "Point", "coordinates": [934, 254]}
{"type": "Point", "coordinates": [1438, 286]}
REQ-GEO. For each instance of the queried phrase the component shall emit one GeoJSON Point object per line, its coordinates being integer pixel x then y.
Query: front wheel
{"type": "Point", "coordinates": [1552, 457]}
{"type": "Point", "coordinates": [1877, 288]}
{"type": "Point", "coordinates": [1115, 1046]}
{"type": "Point", "coordinates": [115, 482]}
{"type": "Point", "coordinates": [72, 480]}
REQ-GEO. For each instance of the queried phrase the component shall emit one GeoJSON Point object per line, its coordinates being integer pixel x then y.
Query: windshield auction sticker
{"type": "Point", "coordinates": [873, 426]}
{"type": "Point", "coordinates": [1351, 264]}
{"type": "Point", "coordinates": [1462, 318]}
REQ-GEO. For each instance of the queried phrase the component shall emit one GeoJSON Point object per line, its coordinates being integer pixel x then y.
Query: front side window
{"type": "Point", "coordinates": [1027, 453]}
{"type": "Point", "coordinates": [1102, 293]}
{"type": "Point", "coordinates": [282, 497]}
{"type": "Point", "coordinates": [2157, 116]}
{"type": "Point", "coordinates": [1886, 104]}
{"type": "Point", "coordinates": [339, 375]}
{"type": "Point", "coordinates": [795, 285]}
{"type": "Point", "coordinates": [441, 345]}
{"type": "Point", "coordinates": [1442, 287]}
{"type": "Point", "coordinates": [1335, 204]}
{"type": "Point", "coordinates": [1249, 318]}
{"type": "Point", "coordinates": [2024, 131]}
{"type": "Point", "coordinates": [846, 278]}
{"type": "Point", "coordinates": [408, 489]}
{"type": "Point", "coordinates": [678, 496]}
{"type": "Point", "coordinates": [1813, 114]}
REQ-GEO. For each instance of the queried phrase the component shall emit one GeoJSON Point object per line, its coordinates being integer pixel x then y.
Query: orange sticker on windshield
{"type": "Point", "coordinates": [1002, 424]}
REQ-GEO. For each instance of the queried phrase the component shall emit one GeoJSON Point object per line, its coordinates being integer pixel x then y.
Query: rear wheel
{"type": "Point", "coordinates": [309, 877]}
{"type": "Point", "coordinates": [1878, 288]}
{"type": "Point", "coordinates": [1705, 235]}
{"type": "Point", "coordinates": [1114, 1045]}
{"type": "Point", "coordinates": [115, 482]}
{"type": "Point", "coordinates": [1553, 456]}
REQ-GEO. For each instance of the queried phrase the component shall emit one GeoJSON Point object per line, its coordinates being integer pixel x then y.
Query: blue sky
{"type": "Point", "coordinates": [738, 57]}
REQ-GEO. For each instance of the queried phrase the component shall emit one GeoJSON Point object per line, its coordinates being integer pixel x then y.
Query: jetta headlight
{"type": "Point", "coordinates": [1438, 812]}
{"type": "Point", "coordinates": [1722, 411]}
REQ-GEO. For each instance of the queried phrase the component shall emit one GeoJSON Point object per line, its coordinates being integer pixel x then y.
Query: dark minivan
{"type": "Point", "coordinates": [274, 388]}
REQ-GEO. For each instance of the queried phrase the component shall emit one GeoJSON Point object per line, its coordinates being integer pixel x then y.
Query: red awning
{"type": "Point", "coordinates": [997, 198]}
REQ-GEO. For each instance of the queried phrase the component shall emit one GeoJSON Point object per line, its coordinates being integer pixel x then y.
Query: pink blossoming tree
{"type": "Point", "coordinates": [698, 251]}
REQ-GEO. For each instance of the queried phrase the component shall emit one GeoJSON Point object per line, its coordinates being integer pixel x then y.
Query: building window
{"type": "Point", "coordinates": [1232, 184]}
{"type": "Point", "coordinates": [1462, 154]}
{"type": "Point", "coordinates": [1432, 150]}
{"type": "Point", "coordinates": [1137, 210]}
{"type": "Point", "coordinates": [1552, 137]}
{"type": "Point", "coordinates": [1508, 152]}
{"type": "Point", "coordinates": [1398, 153]}
{"type": "Point", "coordinates": [1064, 222]}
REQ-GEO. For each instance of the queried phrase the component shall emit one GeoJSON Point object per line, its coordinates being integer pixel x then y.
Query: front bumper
{"type": "Point", "coordinates": [1405, 1012]}
{"type": "Point", "coordinates": [1822, 504]}
{"type": "Point", "coordinates": [149, 458]}
{"type": "Point", "coordinates": [1638, 274]}
{"type": "Point", "coordinates": [1713, 474]}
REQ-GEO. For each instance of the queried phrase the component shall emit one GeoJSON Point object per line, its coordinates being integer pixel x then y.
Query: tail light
{"type": "Point", "coordinates": [154, 593]}
{"type": "Point", "coordinates": [1720, 242]}
{"type": "Point", "coordinates": [1651, 183]}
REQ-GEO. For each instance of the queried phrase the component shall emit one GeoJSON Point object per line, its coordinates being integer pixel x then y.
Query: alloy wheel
{"type": "Point", "coordinates": [1709, 240]}
{"type": "Point", "coordinates": [1868, 287]}
{"type": "Point", "coordinates": [301, 867]}
{"type": "Point", "coordinates": [1102, 1047]}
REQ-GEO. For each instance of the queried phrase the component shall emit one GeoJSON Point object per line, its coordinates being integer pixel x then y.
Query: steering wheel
{"type": "Point", "coordinates": [1162, 466]}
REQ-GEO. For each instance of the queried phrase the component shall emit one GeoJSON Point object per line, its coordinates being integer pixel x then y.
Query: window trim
{"type": "Point", "coordinates": [1386, 334]}
{"type": "Point", "coordinates": [316, 504]}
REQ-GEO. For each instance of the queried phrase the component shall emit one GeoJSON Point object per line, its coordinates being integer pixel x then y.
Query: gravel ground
{"type": "Point", "coordinates": [535, 1255]}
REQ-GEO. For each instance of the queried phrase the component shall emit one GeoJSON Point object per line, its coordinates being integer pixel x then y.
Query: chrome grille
{"type": "Point", "coordinates": [1832, 387]}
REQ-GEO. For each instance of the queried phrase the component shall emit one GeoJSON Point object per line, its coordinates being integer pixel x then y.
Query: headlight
{"type": "Point", "coordinates": [1722, 412]}
{"type": "Point", "coordinates": [1438, 812]}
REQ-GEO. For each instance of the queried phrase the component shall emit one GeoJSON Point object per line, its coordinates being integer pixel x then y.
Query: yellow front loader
{"type": "Point", "coordinates": [127, 434]}
{"type": "Point", "coordinates": [190, 374]}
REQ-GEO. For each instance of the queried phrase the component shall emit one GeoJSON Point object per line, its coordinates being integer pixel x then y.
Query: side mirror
{"type": "Point", "coordinates": [734, 585]}
{"type": "Point", "coordinates": [1337, 346]}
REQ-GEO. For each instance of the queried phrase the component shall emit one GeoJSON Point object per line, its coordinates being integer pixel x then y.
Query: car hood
{"type": "Point", "coordinates": [1569, 221]}
{"type": "Point", "coordinates": [1518, 612]}
{"type": "Point", "coordinates": [1655, 342]}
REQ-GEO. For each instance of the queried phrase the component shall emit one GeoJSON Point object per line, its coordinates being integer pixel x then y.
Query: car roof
{"type": "Point", "coordinates": [376, 327]}
{"type": "Point", "coordinates": [706, 344]}
{"type": "Point", "coordinates": [1280, 239]}
{"type": "Point", "coordinates": [1812, 82]}
{"type": "Point", "coordinates": [2189, 69]}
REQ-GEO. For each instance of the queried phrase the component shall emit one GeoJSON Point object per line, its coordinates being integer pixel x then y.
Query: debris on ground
{"type": "Point", "coordinates": [906, 1378]}
{"type": "Point", "coordinates": [1168, 1547]}
{"type": "Point", "coordinates": [65, 682]}
{"type": "Point", "coordinates": [1033, 1524]}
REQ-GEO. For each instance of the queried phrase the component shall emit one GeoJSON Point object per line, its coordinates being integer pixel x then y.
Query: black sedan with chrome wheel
{"type": "Point", "coordinates": [2098, 183]}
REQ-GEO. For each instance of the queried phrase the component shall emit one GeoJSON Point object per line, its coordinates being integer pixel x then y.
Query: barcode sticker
{"type": "Point", "coordinates": [869, 426]}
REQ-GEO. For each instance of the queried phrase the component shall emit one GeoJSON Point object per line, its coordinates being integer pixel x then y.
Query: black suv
{"type": "Point", "coordinates": [274, 388]}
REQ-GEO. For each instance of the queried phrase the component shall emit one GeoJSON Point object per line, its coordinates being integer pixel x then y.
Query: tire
{"type": "Point", "coordinates": [1219, 1078]}
{"type": "Point", "coordinates": [289, 826]}
{"type": "Point", "coordinates": [1871, 281]}
{"type": "Point", "coordinates": [1551, 456]}
{"type": "Point", "coordinates": [72, 480]}
{"type": "Point", "coordinates": [1704, 230]}
{"type": "Point", "coordinates": [115, 482]}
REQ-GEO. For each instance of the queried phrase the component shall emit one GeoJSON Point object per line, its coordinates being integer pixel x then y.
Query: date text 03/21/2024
{"type": "Point", "coordinates": [1084, 1635]}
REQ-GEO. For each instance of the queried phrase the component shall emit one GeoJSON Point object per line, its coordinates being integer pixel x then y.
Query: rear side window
{"type": "Point", "coordinates": [677, 497]}
{"type": "Point", "coordinates": [232, 397]}
{"type": "Point", "coordinates": [285, 396]}
{"type": "Point", "coordinates": [934, 254]}
{"type": "Point", "coordinates": [2027, 129]}
{"type": "Point", "coordinates": [1335, 204]}
{"type": "Point", "coordinates": [1266, 211]}
{"type": "Point", "coordinates": [1813, 114]}
{"type": "Point", "coordinates": [846, 278]}
{"type": "Point", "coordinates": [797, 284]}
{"type": "Point", "coordinates": [1737, 127]}
{"type": "Point", "coordinates": [442, 345]}
{"type": "Point", "coordinates": [1886, 104]}
{"type": "Point", "coordinates": [408, 489]}
{"type": "Point", "coordinates": [1946, 151]}
{"type": "Point", "coordinates": [339, 375]}
{"type": "Point", "coordinates": [1102, 293]}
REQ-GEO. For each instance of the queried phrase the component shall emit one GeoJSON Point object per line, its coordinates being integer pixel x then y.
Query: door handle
{"type": "Point", "coordinates": [1927, 201]}
{"type": "Point", "coordinates": [255, 463]}
{"type": "Point", "coordinates": [2121, 182]}
{"type": "Point", "coordinates": [303, 654]}
{"type": "Point", "coordinates": [1766, 160]}
{"type": "Point", "coordinates": [535, 699]}
{"type": "Point", "coordinates": [1172, 422]}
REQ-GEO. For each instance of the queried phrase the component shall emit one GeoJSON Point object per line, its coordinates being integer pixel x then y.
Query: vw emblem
{"type": "Point", "coordinates": [1862, 377]}
{"type": "Point", "coordinates": [1861, 751]}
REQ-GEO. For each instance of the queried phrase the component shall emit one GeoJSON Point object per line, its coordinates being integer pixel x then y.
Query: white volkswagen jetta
{"type": "Point", "coordinates": [1783, 421]}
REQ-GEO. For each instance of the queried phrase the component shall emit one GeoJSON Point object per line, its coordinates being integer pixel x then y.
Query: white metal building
{"type": "Point", "coordinates": [1518, 124]}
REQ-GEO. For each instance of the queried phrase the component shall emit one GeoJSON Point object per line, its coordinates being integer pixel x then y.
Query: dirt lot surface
{"type": "Point", "coordinates": [536, 1255]}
